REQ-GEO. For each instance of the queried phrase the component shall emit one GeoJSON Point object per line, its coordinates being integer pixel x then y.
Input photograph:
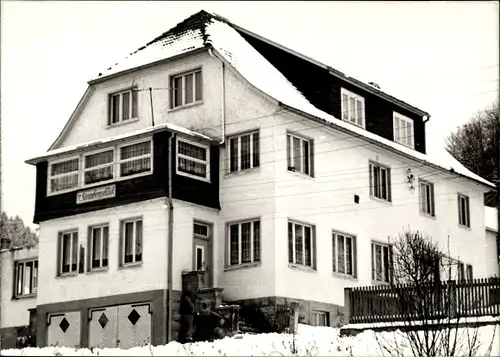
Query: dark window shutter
{"type": "Point", "coordinates": [81, 262]}
{"type": "Point", "coordinates": [89, 252]}
{"type": "Point", "coordinates": [389, 189]}
{"type": "Point", "coordinates": [314, 255]}
{"type": "Point", "coordinates": [288, 157]}
{"type": "Point", "coordinates": [459, 210]}
{"type": "Point", "coordinates": [433, 199]}
{"type": "Point", "coordinates": [311, 148]}
{"type": "Point", "coordinates": [120, 245]}
{"type": "Point", "coordinates": [467, 210]}
{"type": "Point", "coordinates": [59, 251]}
{"type": "Point", "coordinates": [391, 264]}
{"type": "Point", "coordinates": [370, 184]}
{"type": "Point", "coordinates": [354, 258]}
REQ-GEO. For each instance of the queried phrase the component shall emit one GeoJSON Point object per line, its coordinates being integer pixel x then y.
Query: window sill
{"type": "Point", "coordinates": [301, 174]}
{"type": "Point", "coordinates": [344, 276]}
{"type": "Point", "coordinates": [356, 124]}
{"type": "Point", "coordinates": [194, 104]}
{"type": "Point", "coordinates": [243, 172]}
{"type": "Point", "coordinates": [243, 266]}
{"type": "Point", "coordinates": [376, 199]}
{"type": "Point", "coordinates": [468, 228]}
{"type": "Point", "coordinates": [203, 179]}
{"type": "Point", "coordinates": [27, 296]}
{"type": "Point", "coordinates": [130, 265]}
{"type": "Point", "coordinates": [123, 122]}
{"type": "Point", "coordinates": [98, 270]}
{"type": "Point", "coordinates": [66, 275]}
{"type": "Point", "coordinates": [380, 283]}
{"type": "Point", "coordinates": [428, 215]}
{"type": "Point", "coordinates": [304, 268]}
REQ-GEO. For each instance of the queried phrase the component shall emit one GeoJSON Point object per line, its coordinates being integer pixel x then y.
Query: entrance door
{"type": "Point", "coordinates": [202, 251]}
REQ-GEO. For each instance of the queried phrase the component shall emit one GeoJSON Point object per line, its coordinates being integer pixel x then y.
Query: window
{"type": "Point", "coordinates": [463, 211]}
{"type": "Point", "coordinates": [299, 154]}
{"type": "Point", "coordinates": [135, 159]}
{"type": "Point", "coordinates": [381, 262]}
{"type": "Point", "coordinates": [68, 252]}
{"type": "Point", "coordinates": [353, 108]}
{"type": "Point", "coordinates": [244, 151]}
{"type": "Point", "coordinates": [201, 230]}
{"type": "Point", "coordinates": [344, 254]}
{"type": "Point", "coordinates": [320, 318]}
{"type": "Point", "coordinates": [427, 198]}
{"type": "Point", "coordinates": [122, 106]}
{"type": "Point", "coordinates": [186, 89]}
{"type": "Point", "coordinates": [63, 175]}
{"type": "Point", "coordinates": [192, 159]}
{"type": "Point", "coordinates": [244, 242]}
{"type": "Point", "coordinates": [380, 182]}
{"type": "Point", "coordinates": [461, 271]}
{"type": "Point", "coordinates": [301, 245]}
{"type": "Point", "coordinates": [26, 278]}
{"type": "Point", "coordinates": [98, 247]}
{"type": "Point", "coordinates": [131, 242]}
{"type": "Point", "coordinates": [98, 167]}
{"type": "Point", "coordinates": [403, 130]}
{"type": "Point", "coordinates": [468, 272]}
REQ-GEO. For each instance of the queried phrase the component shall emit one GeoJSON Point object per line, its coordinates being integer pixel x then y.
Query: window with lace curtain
{"type": "Point", "coordinates": [63, 175]}
{"type": "Point", "coordinates": [135, 159]}
{"type": "Point", "coordinates": [98, 167]}
{"type": "Point", "coordinates": [192, 159]}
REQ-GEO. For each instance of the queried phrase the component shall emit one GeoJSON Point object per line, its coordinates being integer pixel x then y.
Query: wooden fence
{"type": "Point", "coordinates": [400, 302]}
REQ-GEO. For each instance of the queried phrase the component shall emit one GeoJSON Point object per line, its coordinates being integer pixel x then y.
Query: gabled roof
{"type": "Point", "coordinates": [204, 30]}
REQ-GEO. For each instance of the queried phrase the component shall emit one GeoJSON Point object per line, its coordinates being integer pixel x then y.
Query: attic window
{"type": "Point", "coordinates": [122, 106]}
{"type": "Point", "coordinates": [353, 107]}
{"type": "Point", "coordinates": [403, 130]}
{"type": "Point", "coordinates": [186, 89]}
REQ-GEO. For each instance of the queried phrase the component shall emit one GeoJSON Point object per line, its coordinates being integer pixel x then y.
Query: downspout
{"type": "Point", "coordinates": [170, 243]}
{"type": "Point", "coordinates": [223, 99]}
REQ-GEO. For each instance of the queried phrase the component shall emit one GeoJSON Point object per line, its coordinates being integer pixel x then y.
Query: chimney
{"type": "Point", "coordinates": [373, 84]}
{"type": "Point", "coordinates": [4, 243]}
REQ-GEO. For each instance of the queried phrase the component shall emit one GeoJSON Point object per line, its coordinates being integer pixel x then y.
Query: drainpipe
{"type": "Point", "coordinates": [170, 244]}
{"type": "Point", "coordinates": [223, 99]}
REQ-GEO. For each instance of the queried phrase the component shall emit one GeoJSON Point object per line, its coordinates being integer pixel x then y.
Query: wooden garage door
{"type": "Point", "coordinates": [123, 326]}
{"type": "Point", "coordinates": [64, 329]}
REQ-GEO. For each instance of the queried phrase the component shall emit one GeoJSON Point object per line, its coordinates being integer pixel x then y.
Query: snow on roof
{"type": "Point", "coordinates": [204, 29]}
{"type": "Point", "coordinates": [151, 129]}
{"type": "Point", "coordinates": [491, 218]}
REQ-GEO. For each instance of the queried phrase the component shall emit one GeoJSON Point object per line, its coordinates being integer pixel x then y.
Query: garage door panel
{"type": "Point", "coordinates": [64, 329]}
{"type": "Point", "coordinates": [134, 325]}
{"type": "Point", "coordinates": [103, 327]}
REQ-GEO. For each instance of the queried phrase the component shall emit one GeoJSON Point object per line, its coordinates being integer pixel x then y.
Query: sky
{"type": "Point", "coordinates": [442, 57]}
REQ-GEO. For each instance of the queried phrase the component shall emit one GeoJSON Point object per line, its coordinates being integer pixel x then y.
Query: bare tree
{"type": "Point", "coordinates": [429, 313]}
{"type": "Point", "coordinates": [476, 146]}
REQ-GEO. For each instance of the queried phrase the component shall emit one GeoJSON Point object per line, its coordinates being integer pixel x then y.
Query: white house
{"type": "Point", "coordinates": [491, 224]}
{"type": "Point", "coordinates": [213, 148]}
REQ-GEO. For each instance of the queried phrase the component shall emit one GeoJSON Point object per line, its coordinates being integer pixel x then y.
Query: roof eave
{"type": "Point", "coordinates": [134, 69]}
{"type": "Point", "coordinates": [382, 145]}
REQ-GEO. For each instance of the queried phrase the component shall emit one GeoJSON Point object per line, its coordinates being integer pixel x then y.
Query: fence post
{"type": "Point", "coordinates": [294, 321]}
{"type": "Point", "coordinates": [452, 299]}
{"type": "Point", "coordinates": [347, 305]}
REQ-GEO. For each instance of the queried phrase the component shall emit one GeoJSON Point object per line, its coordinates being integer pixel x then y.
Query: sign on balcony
{"type": "Point", "coordinates": [96, 194]}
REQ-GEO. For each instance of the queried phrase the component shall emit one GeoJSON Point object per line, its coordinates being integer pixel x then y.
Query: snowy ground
{"type": "Point", "coordinates": [310, 341]}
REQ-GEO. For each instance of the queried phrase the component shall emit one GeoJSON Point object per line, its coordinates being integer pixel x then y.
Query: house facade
{"type": "Point", "coordinates": [205, 150]}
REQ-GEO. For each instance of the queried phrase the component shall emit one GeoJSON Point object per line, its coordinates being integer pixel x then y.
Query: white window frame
{"type": "Point", "coordinates": [372, 166]}
{"type": "Point", "coordinates": [409, 142]}
{"type": "Point", "coordinates": [206, 162]}
{"type": "Point", "coordinates": [101, 248]}
{"type": "Point", "coordinates": [119, 161]}
{"type": "Point", "coordinates": [346, 107]}
{"type": "Point", "coordinates": [50, 176]}
{"type": "Point", "coordinates": [252, 150]}
{"type": "Point", "coordinates": [197, 223]}
{"type": "Point", "coordinates": [183, 86]}
{"type": "Point", "coordinates": [85, 169]}
{"type": "Point", "coordinates": [335, 253]}
{"type": "Point", "coordinates": [466, 198]}
{"type": "Point", "coordinates": [33, 278]}
{"type": "Point", "coordinates": [116, 166]}
{"type": "Point", "coordinates": [316, 315]}
{"type": "Point", "coordinates": [61, 253]}
{"type": "Point", "coordinates": [120, 113]}
{"type": "Point", "coordinates": [240, 245]}
{"type": "Point", "coordinates": [313, 245]}
{"type": "Point", "coordinates": [374, 261]}
{"type": "Point", "coordinates": [290, 158]}
{"type": "Point", "coordinates": [423, 197]}
{"type": "Point", "coordinates": [134, 241]}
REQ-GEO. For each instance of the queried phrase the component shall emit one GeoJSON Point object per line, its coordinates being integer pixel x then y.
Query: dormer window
{"type": "Point", "coordinates": [403, 130]}
{"type": "Point", "coordinates": [122, 106]}
{"type": "Point", "coordinates": [353, 108]}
